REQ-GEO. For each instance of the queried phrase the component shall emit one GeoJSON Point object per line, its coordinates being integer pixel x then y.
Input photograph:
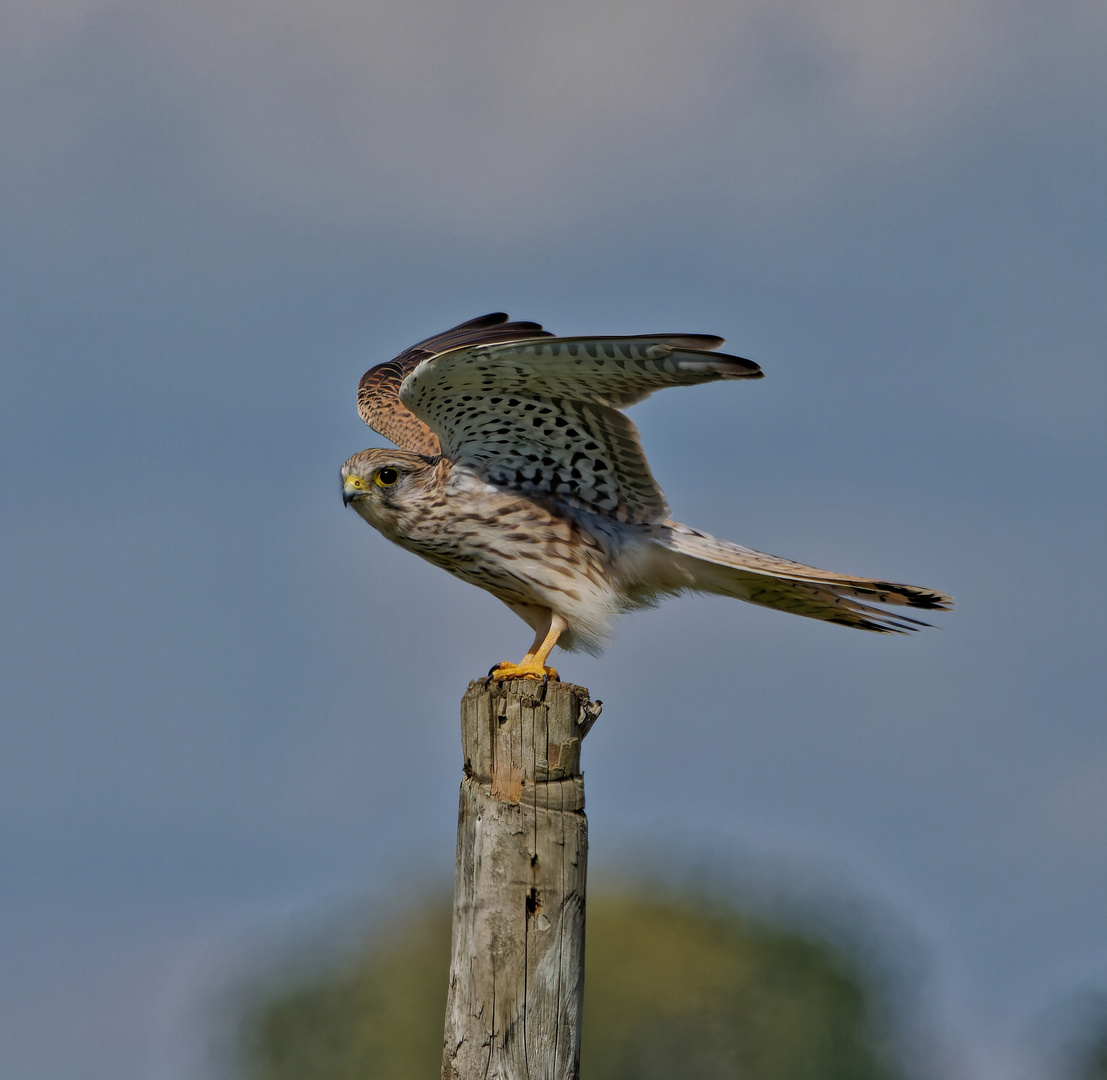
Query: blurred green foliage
{"type": "Point", "coordinates": [1087, 1056]}
{"type": "Point", "coordinates": [379, 1017]}
{"type": "Point", "coordinates": [675, 988]}
{"type": "Point", "coordinates": [1094, 1065]}
{"type": "Point", "coordinates": [684, 990]}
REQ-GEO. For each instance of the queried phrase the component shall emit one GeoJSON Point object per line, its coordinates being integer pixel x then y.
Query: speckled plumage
{"type": "Point", "coordinates": [518, 473]}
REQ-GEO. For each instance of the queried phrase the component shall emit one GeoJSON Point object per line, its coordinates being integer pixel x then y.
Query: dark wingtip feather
{"type": "Point", "coordinates": [739, 367]}
{"type": "Point", "coordinates": [928, 599]}
{"type": "Point", "coordinates": [882, 623]}
{"type": "Point", "coordinates": [493, 318]}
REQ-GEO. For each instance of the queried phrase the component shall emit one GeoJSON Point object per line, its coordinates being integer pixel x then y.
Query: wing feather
{"type": "Point", "coordinates": [541, 416]}
{"type": "Point", "coordinates": [378, 401]}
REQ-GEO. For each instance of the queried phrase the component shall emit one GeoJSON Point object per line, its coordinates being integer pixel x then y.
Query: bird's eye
{"type": "Point", "coordinates": [387, 477]}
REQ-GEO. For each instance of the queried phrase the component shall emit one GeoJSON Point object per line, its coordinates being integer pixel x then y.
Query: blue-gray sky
{"type": "Point", "coordinates": [227, 702]}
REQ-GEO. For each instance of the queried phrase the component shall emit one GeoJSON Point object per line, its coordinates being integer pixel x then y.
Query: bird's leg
{"type": "Point", "coordinates": [536, 644]}
{"type": "Point", "coordinates": [533, 665]}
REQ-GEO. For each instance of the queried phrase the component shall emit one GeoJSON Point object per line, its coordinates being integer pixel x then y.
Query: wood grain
{"type": "Point", "coordinates": [517, 965]}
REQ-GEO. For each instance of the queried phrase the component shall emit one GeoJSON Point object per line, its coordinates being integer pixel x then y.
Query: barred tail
{"type": "Point", "coordinates": [706, 564]}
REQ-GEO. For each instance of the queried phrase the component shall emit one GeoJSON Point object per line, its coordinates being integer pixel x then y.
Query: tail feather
{"type": "Point", "coordinates": [704, 563]}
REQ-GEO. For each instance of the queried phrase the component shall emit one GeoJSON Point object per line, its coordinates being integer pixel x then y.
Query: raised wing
{"type": "Point", "coordinates": [378, 401]}
{"type": "Point", "coordinates": [541, 416]}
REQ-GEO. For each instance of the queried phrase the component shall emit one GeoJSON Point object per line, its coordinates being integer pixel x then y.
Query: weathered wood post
{"type": "Point", "coordinates": [517, 963]}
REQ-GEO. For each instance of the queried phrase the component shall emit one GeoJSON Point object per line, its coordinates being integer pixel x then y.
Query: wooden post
{"type": "Point", "coordinates": [517, 963]}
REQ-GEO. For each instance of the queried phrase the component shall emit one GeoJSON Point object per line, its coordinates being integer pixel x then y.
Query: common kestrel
{"type": "Point", "coordinates": [518, 473]}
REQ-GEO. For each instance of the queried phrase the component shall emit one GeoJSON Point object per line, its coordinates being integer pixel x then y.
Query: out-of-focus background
{"type": "Point", "coordinates": [230, 708]}
{"type": "Point", "coordinates": [680, 984]}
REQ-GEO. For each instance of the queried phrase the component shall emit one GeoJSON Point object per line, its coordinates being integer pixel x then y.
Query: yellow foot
{"type": "Point", "coordinates": [528, 669]}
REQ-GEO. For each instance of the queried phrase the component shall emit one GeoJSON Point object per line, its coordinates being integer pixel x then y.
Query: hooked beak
{"type": "Point", "coordinates": [349, 493]}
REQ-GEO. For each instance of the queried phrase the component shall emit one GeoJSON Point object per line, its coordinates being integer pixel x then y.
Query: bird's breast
{"type": "Point", "coordinates": [512, 547]}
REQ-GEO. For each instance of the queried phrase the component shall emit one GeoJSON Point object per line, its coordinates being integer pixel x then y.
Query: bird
{"type": "Point", "coordinates": [518, 472]}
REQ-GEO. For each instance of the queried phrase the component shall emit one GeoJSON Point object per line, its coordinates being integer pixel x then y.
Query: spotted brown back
{"type": "Point", "coordinates": [540, 416]}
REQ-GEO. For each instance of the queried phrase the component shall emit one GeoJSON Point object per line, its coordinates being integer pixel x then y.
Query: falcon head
{"type": "Point", "coordinates": [383, 485]}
